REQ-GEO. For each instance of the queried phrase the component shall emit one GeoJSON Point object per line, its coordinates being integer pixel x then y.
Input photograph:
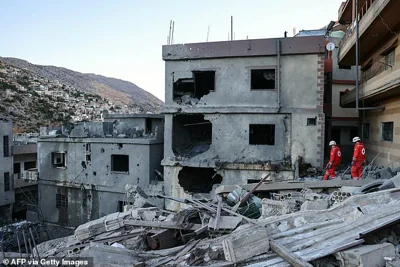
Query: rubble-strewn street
{"type": "Point", "coordinates": [347, 227]}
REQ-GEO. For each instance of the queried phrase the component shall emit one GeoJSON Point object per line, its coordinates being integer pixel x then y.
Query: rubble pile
{"type": "Point", "coordinates": [307, 228]}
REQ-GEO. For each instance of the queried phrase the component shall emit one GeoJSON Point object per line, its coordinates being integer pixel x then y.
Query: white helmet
{"type": "Point", "coordinates": [356, 139]}
{"type": "Point", "coordinates": [332, 143]}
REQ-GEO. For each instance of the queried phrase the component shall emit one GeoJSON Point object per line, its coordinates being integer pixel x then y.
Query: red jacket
{"type": "Point", "coordinates": [336, 156]}
{"type": "Point", "coordinates": [359, 152]}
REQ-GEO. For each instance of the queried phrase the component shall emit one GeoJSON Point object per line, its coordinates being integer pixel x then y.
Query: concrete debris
{"type": "Point", "coordinates": [297, 227]}
{"type": "Point", "coordinates": [319, 204]}
{"type": "Point", "coordinates": [246, 244]}
{"type": "Point", "coordinates": [274, 208]}
{"type": "Point", "coordinates": [366, 256]}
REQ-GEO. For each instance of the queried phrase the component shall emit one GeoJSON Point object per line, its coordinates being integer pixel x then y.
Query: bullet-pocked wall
{"type": "Point", "coordinates": [238, 108]}
{"type": "Point", "coordinates": [103, 166]}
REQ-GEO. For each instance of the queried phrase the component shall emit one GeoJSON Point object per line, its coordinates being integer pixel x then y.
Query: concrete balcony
{"type": "Point", "coordinates": [371, 30]}
{"type": "Point", "coordinates": [381, 86]}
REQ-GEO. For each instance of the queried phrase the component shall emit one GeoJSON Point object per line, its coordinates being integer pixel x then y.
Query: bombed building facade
{"type": "Point", "coordinates": [7, 196]}
{"type": "Point", "coordinates": [84, 170]}
{"type": "Point", "coordinates": [235, 110]}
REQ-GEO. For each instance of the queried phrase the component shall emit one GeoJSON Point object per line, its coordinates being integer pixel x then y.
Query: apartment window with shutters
{"type": "Point", "coordinates": [6, 146]}
{"type": "Point", "coordinates": [390, 59]}
{"type": "Point", "coordinates": [7, 183]}
{"type": "Point", "coordinates": [387, 131]}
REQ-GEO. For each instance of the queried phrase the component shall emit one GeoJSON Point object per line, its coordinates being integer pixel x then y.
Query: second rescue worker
{"type": "Point", "coordinates": [358, 159]}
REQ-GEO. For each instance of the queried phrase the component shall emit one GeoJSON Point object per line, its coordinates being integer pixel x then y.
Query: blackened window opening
{"type": "Point", "coordinates": [198, 180]}
{"type": "Point", "coordinates": [387, 131]}
{"type": "Point", "coordinates": [7, 183]}
{"type": "Point", "coordinates": [262, 134]}
{"type": "Point", "coordinates": [262, 79]}
{"type": "Point", "coordinates": [6, 146]}
{"type": "Point", "coordinates": [192, 135]}
{"type": "Point", "coordinates": [120, 163]}
{"type": "Point", "coordinates": [149, 125]}
{"type": "Point", "coordinates": [201, 84]}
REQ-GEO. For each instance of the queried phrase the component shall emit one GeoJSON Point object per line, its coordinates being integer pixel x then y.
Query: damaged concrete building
{"type": "Point", "coordinates": [7, 196]}
{"type": "Point", "coordinates": [378, 97]}
{"type": "Point", "coordinates": [237, 109]}
{"type": "Point", "coordinates": [84, 169]}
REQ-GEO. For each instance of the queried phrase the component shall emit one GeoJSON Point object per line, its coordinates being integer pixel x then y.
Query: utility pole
{"type": "Point", "coordinates": [357, 36]}
{"type": "Point", "coordinates": [231, 28]}
{"type": "Point", "coordinates": [173, 29]}
{"type": "Point", "coordinates": [208, 32]}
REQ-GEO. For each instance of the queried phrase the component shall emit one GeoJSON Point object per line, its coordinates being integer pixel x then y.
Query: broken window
{"type": "Point", "coordinates": [17, 168]}
{"type": "Point", "coordinates": [262, 79]}
{"type": "Point", "coordinates": [29, 165]}
{"type": "Point", "coordinates": [59, 159]}
{"type": "Point", "coordinates": [148, 125]}
{"type": "Point", "coordinates": [6, 146]}
{"type": "Point", "coordinates": [61, 201]}
{"type": "Point", "coordinates": [120, 163]}
{"type": "Point", "coordinates": [7, 184]}
{"type": "Point", "coordinates": [311, 121]}
{"type": "Point", "coordinates": [198, 180]}
{"type": "Point", "coordinates": [387, 131]}
{"type": "Point", "coordinates": [365, 131]}
{"type": "Point", "coordinates": [192, 135]}
{"type": "Point", "coordinates": [201, 84]}
{"type": "Point", "coordinates": [262, 134]}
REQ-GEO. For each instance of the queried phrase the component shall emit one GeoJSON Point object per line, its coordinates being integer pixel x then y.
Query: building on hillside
{"type": "Point", "coordinates": [84, 170]}
{"type": "Point", "coordinates": [379, 90]}
{"type": "Point", "coordinates": [237, 109]}
{"type": "Point", "coordinates": [341, 124]}
{"type": "Point", "coordinates": [7, 197]}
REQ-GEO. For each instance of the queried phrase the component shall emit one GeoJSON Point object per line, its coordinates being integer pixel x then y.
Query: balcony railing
{"type": "Point", "coordinates": [31, 175]}
{"type": "Point", "coordinates": [352, 28]}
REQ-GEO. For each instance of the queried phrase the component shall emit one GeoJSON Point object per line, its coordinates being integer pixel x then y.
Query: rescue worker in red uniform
{"type": "Point", "coordinates": [358, 159]}
{"type": "Point", "coordinates": [334, 160]}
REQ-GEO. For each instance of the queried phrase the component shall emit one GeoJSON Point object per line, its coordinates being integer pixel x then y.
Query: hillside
{"type": "Point", "coordinates": [31, 101]}
{"type": "Point", "coordinates": [116, 90]}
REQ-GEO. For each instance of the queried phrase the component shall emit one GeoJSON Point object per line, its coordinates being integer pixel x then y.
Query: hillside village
{"type": "Point", "coordinates": [32, 101]}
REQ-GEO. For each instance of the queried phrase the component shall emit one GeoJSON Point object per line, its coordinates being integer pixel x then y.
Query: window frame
{"type": "Point", "coordinates": [262, 124]}
{"type": "Point", "coordinates": [112, 160]}
{"type": "Point", "coordinates": [266, 67]}
{"type": "Point", "coordinates": [6, 146]}
{"type": "Point", "coordinates": [7, 182]}
{"type": "Point", "coordinates": [312, 124]}
{"type": "Point", "coordinates": [383, 123]}
{"type": "Point", "coordinates": [61, 201]}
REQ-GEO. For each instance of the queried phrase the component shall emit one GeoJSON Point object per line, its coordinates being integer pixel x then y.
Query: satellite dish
{"type": "Point", "coordinates": [330, 46]}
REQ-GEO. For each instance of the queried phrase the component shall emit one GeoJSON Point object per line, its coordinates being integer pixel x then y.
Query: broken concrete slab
{"type": "Point", "coordinates": [274, 208]}
{"type": "Point", "coordinates": [225, 222]}
{"type": "Point", "coordinates": [103, 255]}
{"type": "Point", "coordinates": [246, 244]}
{"type": "Point", "coordinates": [386, 173]}
{"type": "Point", "coordinates": [366, 255]}
{"type": "Point", "coordinates": [319, 204]}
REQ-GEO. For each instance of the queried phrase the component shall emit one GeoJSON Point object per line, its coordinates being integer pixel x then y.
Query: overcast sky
{"type": "Point", "coordinates": [123, 38]}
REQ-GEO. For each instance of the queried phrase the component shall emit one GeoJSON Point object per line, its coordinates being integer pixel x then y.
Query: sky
{"type": "Point", "coordinates": [123, 38]}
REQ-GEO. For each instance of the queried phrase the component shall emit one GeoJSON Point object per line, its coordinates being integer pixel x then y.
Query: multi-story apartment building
{"type": "Point", "coordinates": [379, 58]}
{"type": "Point", "coordinates": [7, 196]}
{"type": "Point", "coordinates": [237, 109]}
{"type": "Point", "coordinates": [83, 171]}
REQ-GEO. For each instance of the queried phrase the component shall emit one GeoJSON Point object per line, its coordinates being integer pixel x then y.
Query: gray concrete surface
{"type": "Point", "coordinates": [7, 196]}
{"type": "Point", "coordinates": [89, 179]}
{"type": "Point", "coordinates": [232, 106]}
